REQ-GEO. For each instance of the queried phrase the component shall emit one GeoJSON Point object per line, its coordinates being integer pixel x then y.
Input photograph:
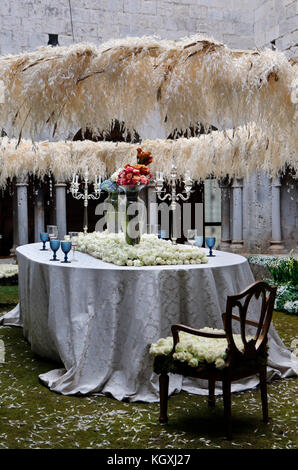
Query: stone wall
{"type": "Point", "coordinates": [25, 24]}
{"type": "Point", "coordinates": [277, 20]}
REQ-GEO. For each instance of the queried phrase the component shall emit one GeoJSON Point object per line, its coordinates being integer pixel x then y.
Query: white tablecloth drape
{"type": "Point", "coordinates": [99, 319]}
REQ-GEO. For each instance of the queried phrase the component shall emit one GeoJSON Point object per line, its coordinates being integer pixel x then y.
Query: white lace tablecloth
{"type": "Point", "coordinates": [99, 319]}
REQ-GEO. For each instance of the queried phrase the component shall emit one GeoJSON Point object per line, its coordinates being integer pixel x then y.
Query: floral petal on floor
{"type": "Point", "coordinates": [33, 417]}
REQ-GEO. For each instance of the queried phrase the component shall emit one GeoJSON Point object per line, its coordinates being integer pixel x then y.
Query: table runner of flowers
{"type": "Point", "coordinates": [151, 251]}
{"type": "Point", "coordinates": [195, 351]}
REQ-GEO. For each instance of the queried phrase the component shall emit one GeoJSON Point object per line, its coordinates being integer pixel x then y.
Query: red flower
{"type": "Point", "coordinates": [144, 158]}
{"type": "Point", "coordinates": [139, 174]}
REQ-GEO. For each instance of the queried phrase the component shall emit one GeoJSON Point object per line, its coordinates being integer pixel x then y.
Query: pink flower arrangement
{"type": "Point", "coordinates": [135, 175]}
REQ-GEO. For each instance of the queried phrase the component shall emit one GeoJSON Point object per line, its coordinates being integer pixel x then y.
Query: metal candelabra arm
{"type": "Point", "coordinates": [173, 196]}
{"type": "Point", "coordinates": [74, 189]}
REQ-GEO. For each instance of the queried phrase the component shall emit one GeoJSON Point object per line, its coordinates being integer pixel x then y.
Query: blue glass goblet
{"type": "Point", "coordinates": [55, 245]}
{"type": "Point", "coordinates": [44, 236]}
{"type": "Point", "coordinates": [65, 247]}
{"type": "Point", "coordinates": [210, 242]}
{"type": "Point", "coordinates": [199, 240]}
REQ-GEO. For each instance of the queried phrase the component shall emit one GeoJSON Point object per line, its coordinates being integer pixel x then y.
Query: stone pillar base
{"type": "Point", "coordinates": [12, 251]}
{"type": "Point", "coordinates": [225, 245]}
{"type": "Point", "coordinates": [236, 246]}
{"type": "Point", "coordinates": [276, 247]}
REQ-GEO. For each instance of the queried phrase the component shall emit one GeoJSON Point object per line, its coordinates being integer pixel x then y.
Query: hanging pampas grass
{"type": "Point", "coordinates": [192, 80]}
{"type": "Point", "coordinates": [239, 152]}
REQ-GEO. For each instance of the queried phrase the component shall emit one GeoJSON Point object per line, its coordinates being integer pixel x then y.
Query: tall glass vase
{"type": "Point", "coordinates": [112, 216]}
{"type": "Point", "coordinates": [133, 211]}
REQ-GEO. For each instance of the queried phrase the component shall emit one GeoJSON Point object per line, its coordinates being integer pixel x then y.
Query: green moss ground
{"type": "Point", "coordinates": [8, 295]}
{"type": "Point", "coordinates": [33, 417]}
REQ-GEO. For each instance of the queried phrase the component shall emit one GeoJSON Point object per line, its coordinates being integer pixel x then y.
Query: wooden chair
{"type": "Point", "coordinates": [253, 359]}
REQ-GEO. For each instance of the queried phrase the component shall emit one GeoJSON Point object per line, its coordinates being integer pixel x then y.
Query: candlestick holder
{"type": "Point", "coordinates": [85, 195]}
{"type": "Point", "coordinates": [173, 196]}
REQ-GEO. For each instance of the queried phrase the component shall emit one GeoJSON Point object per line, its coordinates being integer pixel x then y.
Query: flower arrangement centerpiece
{"type": "Point", "coordinates": [151, 251]}
{"type": "Point", "coordinates": [135, 176]}
{"type": "Point", "coordinates": [132, 179]}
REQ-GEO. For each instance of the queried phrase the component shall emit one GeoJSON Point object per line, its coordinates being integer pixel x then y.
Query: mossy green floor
{"type": "Point", "coordinates": [8, 295]}
{"type": "Point", "coordinates": [33, 417]}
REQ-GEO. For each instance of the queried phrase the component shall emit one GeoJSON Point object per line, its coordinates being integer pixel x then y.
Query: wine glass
{"type": "Point", "coordinates": [65, 247]}
{"type": "Point", "coordinates": [52, 231]}
{"type": "Point", "coordinates": [199, 241]}
{"type": "Point", "coordinates": [191, 236]}
{"type": "Point", "coordinates": [74, 242]}
{"type": "Point", "coordinates": [44, 236]}
{"type": "Point", "coordinates": [210, 242]}
{"type": "Point", "coordinates": [55, 245]}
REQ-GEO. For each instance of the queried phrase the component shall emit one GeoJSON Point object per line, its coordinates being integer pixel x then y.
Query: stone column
{"type": "Point", "coordinates": [152, 205]}
{"type": "Point", "coordinates": [237, 226]}
{"type": "Point", "coordinates": [39, 214]}
{"type": "Point", "coordinates": [15, 222]}
{"type": "Point", "coordinates": [60, 188]}
{"type": "Point", "coordinates": [225, 242]}
{"type": "Point", "coordinates": [22, 210]}
{"type": "Point", "coordinates": [276, 241]}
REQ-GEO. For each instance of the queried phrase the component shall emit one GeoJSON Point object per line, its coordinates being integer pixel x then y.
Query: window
{"type": "Point", "coordinates": [212, 219]}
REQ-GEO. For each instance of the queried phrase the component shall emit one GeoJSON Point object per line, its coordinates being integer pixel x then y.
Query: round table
{"type": "Point", "coordinates": [99, 319]}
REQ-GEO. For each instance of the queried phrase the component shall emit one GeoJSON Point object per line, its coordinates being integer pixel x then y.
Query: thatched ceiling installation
{"type": "Point", "coordinates": [240, 152]}
{"type": "Point", "coordinates": [185, 82]}
{"type": "Point", "coordinates": [192, 80]}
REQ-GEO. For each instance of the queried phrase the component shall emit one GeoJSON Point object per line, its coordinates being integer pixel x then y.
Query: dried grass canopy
{"type": "Point", "coordinates": [237, 152]}
{"type": "Point", "coordinates": [195, 80]}
{"type": "Point", "coordinates": [188, 81]}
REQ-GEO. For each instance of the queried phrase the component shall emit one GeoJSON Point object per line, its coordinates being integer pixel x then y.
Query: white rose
{"type": "Point", "coordinates": [220, 363]}
{"type": "Point", "coordinates": [193, 362]}
{"type": "Point", "coordinates": [179, 356]}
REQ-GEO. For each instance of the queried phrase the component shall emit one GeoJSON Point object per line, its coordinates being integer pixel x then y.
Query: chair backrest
{"type": "Point", "coordinates": [257, 345]}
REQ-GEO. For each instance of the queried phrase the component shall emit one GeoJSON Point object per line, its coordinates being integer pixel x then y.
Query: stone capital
{"type": "Point", "coordinates": [22, 181]}
{"type": "Point", "coordinates": [275, 182]}
{"type": "Point", "coordinates": [237, 183]}
{"type": "Point", "coordinates": [224, 183]}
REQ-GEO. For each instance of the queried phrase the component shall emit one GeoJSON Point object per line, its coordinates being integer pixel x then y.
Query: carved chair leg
{"type": "Point", "coordinates": [211, 397]}
{"type": "Point", "coordinates": [263, 387]}
{"type": "Point", "coordinates": [163, 397]}
{"type": "Point", "coordinates": [227, 407]}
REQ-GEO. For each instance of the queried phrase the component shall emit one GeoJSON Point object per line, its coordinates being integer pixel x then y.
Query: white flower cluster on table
{"type": "Point", "coordinates": [151, 251]}
{"type": "Point", "coordinates": [8, 270]}
{"type": "Point", "coordinates": [194, 350]}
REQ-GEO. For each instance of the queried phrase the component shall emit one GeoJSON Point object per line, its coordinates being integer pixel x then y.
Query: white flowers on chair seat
{"type": "Point", "coordinates": [194, 350]}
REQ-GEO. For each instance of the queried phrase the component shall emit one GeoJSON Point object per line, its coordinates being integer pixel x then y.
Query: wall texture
{"type": "Point", "coordinates": [25, 24]}
{"type": "Point", "coordinates": [277, 20]}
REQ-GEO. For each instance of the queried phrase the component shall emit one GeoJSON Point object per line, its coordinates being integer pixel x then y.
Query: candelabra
{"type": "Point", "coordinates": [173, 196]}
{"type": "Point", "coordinates": [74, 189]}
